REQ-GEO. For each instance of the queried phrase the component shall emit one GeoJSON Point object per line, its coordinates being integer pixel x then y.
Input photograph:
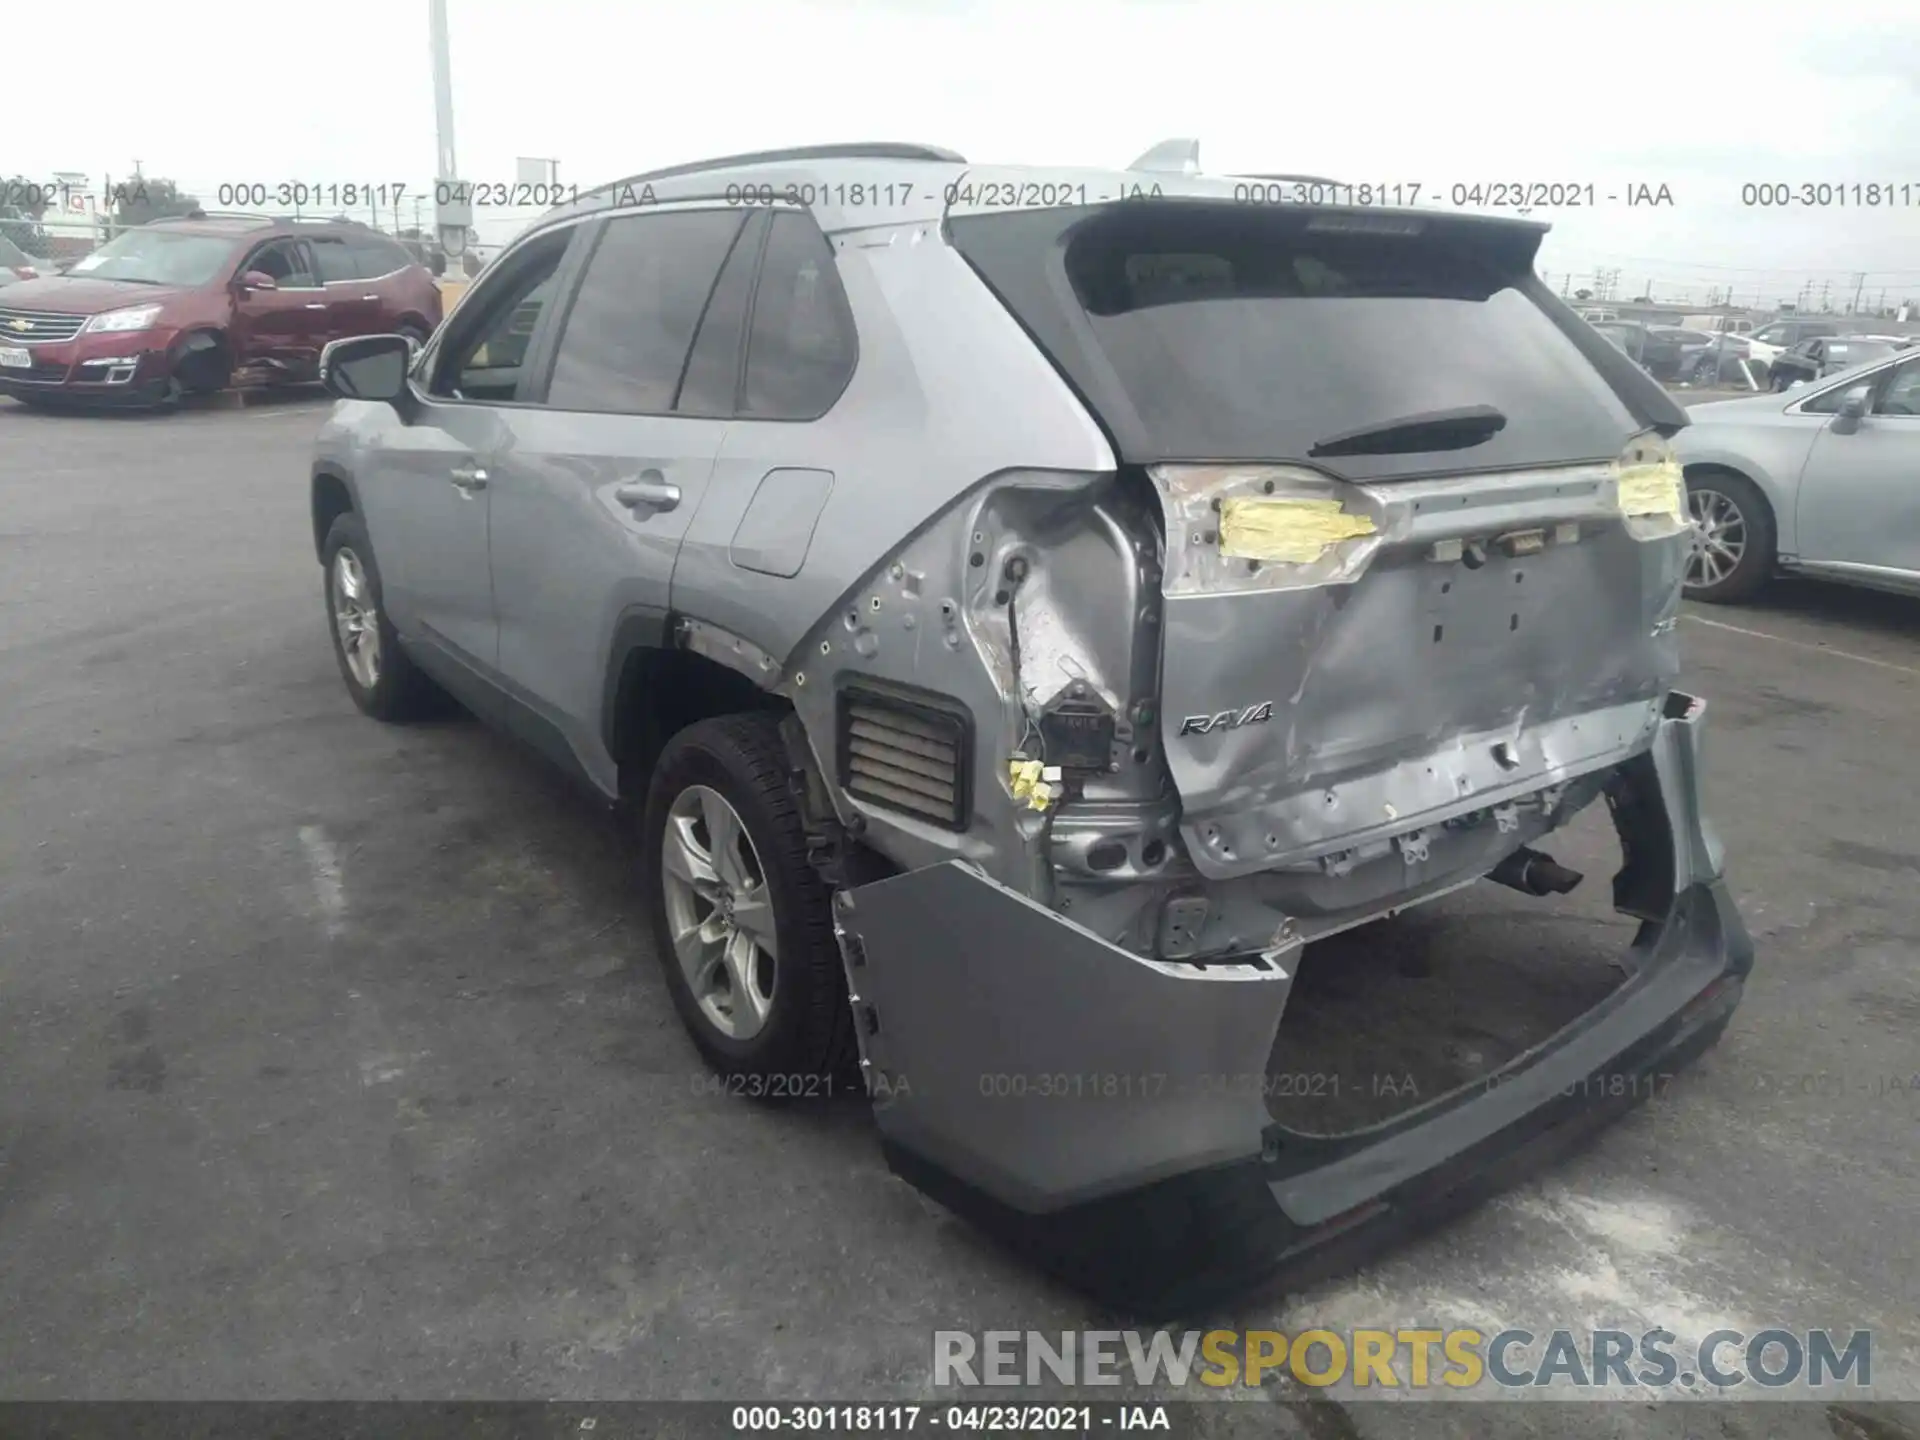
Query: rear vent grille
{"type": "Point", "coordinates": [906, 751]}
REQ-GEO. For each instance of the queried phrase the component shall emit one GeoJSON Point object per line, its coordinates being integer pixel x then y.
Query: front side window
{"type": "Point", "coordinates": [285, 263]}
{"type": "Point", "coordinates": [1901, 394]}
{"type": "Point", "coordinates": [484, 356]}
{"type": "Point", "coordinates": [631, 325]}
{"type": "Point", "coordinates": [800, 346]}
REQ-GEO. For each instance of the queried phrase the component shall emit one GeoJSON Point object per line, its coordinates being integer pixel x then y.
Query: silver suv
{"type": "Point", "coordinates": [1024, 609]}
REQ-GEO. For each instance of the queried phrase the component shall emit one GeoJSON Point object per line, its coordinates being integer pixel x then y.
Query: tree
{"type": "Point", "coordinates": [139, 200]}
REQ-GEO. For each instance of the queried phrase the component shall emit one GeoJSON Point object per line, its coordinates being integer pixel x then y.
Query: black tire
{"type": "Point", "coordinates": [414, 333]}
{"type": "Point", "coordinates": [201, 366]}
{"type": "Point", "coordinates": [1758, 536]}
{"type": "Point", "coordinates": [806, 1047]}
{"type": "Point", "coordinates": [400, 690]}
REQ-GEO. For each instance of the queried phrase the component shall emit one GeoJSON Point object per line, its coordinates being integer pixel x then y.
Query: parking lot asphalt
{"type": "Point", "coordinates": [333, 1062]}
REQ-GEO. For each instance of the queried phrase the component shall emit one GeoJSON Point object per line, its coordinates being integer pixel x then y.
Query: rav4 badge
{"type": "Point", "coordinates": [1227, 719]}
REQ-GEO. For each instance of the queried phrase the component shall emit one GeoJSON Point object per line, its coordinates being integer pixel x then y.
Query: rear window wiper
{"type": "Point", "coordinates": [1413, 434]}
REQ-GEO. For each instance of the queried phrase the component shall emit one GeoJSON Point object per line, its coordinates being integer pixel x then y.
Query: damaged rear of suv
{"type": "Point", "coordinates": [1139, 605]}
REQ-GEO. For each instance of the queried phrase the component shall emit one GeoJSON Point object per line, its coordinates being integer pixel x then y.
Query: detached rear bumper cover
{"type": "Point", "coordinates": [1104, 1114]}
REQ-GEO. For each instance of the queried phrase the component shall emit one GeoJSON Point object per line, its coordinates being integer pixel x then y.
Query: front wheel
{"type": "Point", "coordinates": [380, 677]}
{"type": "Point", "coordinates": [1733, 538]}
{"type": "Point", "coordinates": [741, 921]}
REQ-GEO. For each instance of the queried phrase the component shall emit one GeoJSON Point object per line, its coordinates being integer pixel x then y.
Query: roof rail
{"type": "Point", "coordinates": [198, 214]}
{"type": "Point", "coordinates": [855, 150]}
{"type": "Point", "coordinates": [261, 216]}
{"type": "Point", "coordinates": [1300, 179]}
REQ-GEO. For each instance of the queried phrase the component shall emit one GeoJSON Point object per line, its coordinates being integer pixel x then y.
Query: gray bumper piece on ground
{"type": "Point", "coordinates": [1104, 1114]}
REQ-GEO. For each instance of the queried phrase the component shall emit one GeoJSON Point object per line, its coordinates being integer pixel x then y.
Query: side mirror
{"type": "Point", "coordinates": [258, 280]}
{"type": "Point", "coordinates": [1853, 409]}
{"type": "Point", "coordinates": [367, 367]}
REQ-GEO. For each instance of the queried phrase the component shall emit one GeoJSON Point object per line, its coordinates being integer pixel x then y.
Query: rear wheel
{"type": "Point", "coordinates": [741, 921]}
{"type": "Point", "coordinates": [1733, 538]}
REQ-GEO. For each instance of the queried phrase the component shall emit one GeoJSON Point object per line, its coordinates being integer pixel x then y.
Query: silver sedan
{"type": "Point", "coordinates": [1823, 480]}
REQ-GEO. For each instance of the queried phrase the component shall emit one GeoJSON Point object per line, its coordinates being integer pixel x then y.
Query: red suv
{"type": "Point", "coordinates": [188, 305]}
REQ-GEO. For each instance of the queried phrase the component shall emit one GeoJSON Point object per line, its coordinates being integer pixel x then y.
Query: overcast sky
{"type": "Point", "coordinates": [1700, 96]}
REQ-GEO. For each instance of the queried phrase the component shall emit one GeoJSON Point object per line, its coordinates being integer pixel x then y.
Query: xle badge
{"type": "Point", "coordinates": [1227, 719]}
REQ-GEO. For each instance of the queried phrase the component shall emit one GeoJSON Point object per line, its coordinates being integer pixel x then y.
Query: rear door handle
{"type": "Point", "coordinates": [316, 305]}
{"type": "Point", "coordinates": [468, 477]}
{"type": "Point", "coordinates": [369, 297]}
{"type": "Point", "coordinates": [650, 492]}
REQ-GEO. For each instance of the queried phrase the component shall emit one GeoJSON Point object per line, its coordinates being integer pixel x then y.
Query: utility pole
{"type": "Point", "coordinates": [1825, 287]}
{"type": "Point", "coordinates": [452, 208]}
{"type": "Point", "coordinates": [1859, 280]}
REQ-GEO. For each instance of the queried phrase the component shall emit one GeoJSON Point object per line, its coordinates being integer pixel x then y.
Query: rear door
{"type": "Point", "coordinates": [1859, 498]}
{"type": "Point", "coordinates": [1396, 590]}
{"type": "Point", "coordinates": [775, 470]}
{"type": "Point", "coordinates": [353, 307]}
{"type": "Point", "coordinates": [595, 493]}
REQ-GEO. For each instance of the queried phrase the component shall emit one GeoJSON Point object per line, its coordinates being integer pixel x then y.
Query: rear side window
{"type": "Point", "coordinates": [712, 382]}
{"type": "Point", "coordinates": [1212, 332]}
{"type": "Point", "coordinates": [800, 346]}
{"type": "Point", "coordinates": [631, 324]}
{"type": "Point", "coordinates": [334, 260]}
{"type": "Point", "coordinates": [373, 258]}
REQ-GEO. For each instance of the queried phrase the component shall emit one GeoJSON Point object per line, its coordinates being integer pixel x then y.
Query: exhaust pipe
{"type": "Point", "coordinates": [1532, 873]}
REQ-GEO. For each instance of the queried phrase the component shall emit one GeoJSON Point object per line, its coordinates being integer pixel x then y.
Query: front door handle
{"type": "Point", "coordinates": [650, 492]}
{"type": "Point", "coordinates": [316, 305]}
{"type": "Point", "coordinates": [369, 297]}
{"type": "Point", "coordinates": [468, 478]}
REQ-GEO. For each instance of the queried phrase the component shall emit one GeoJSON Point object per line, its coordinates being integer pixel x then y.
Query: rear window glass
{"type": "Point", "coordinates": [1208, 332]}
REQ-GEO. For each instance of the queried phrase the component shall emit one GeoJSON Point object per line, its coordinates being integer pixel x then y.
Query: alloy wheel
{"type": "Point", "coordinates": [1719, 537]}
{"type": "Point", "coordinates": [356, 618]}
{"type": "Point", "coordinates": [719, 912]}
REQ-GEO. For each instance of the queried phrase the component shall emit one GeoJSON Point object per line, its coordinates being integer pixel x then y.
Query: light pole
{"type": "Point", "coordinates": [452, 207]}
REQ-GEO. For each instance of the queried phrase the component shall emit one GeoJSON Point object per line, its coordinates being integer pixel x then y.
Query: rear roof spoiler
{"type": "Point", "coordinates": [1170, 157]}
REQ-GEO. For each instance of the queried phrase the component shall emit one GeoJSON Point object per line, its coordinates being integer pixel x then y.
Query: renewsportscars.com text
{"type": "Point", "coordinates": [1409, 1359]}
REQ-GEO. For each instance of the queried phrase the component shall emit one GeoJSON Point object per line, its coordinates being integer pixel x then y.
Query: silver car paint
{"type": "Point", "coordinates": [1842, 502]}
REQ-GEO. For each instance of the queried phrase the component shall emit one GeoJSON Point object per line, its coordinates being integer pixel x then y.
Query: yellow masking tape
{"type": "Point", "coordinates": [1653, 490]}
{"type": "Point", "coordinates": [1024, 775]}
{"type": "Point", "coordinates": [1297, 531]}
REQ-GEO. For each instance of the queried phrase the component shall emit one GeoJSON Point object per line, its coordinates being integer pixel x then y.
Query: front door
{"type": "Point", "coordinates": [1859, 504]}
{"type": "Point", "coordinates": [431, 480]}
{"type": "Point", "coordinates": [282, 329]}
{"type": "Point", "coordinates": [594, 496]}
